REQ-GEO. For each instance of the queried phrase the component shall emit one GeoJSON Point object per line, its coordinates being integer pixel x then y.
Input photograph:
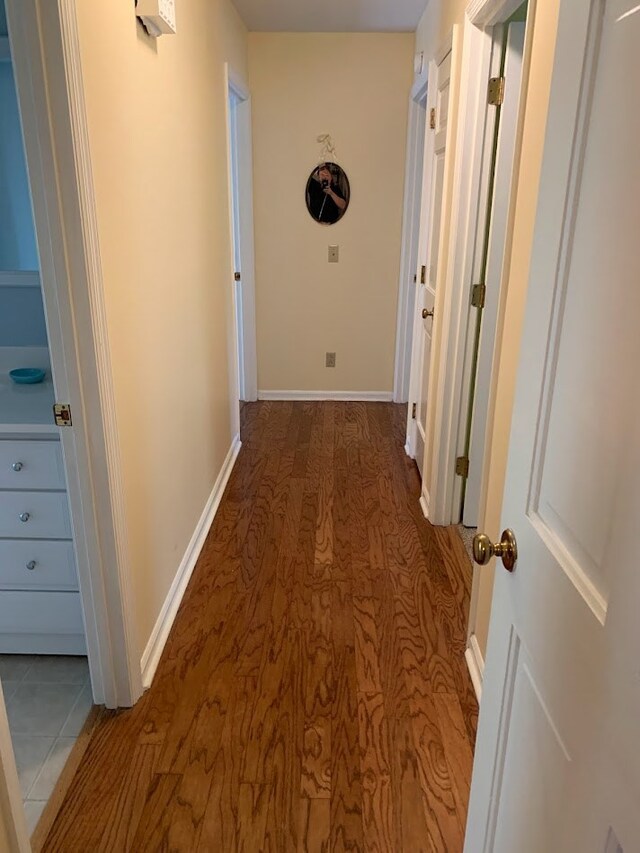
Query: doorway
{"type": "Point", "coordinates": [491, 243]}
{"type": "Point", "coordinates": [62, 532]}
{"type": "Point", "coordinates": [43, 648]}
{"type": "Point", "coordinates": [410, 236]}
{"type": "Point", "coordinates": [242, 250]}
{"type": "Point", "coordinates": [420, 435]}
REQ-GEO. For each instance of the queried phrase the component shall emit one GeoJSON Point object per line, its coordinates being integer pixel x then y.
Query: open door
{"type": "Point", "coordinates": [434, 172]}
{"type": "Point", "coordinates": [558, 755]}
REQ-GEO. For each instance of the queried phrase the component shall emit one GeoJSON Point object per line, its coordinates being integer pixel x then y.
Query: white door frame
{"type": "Point", "coordinates": [410, 235]}
{"type": "Point", "coordinates": [60, 177]}
{"type": "Point", "coordinates": [245, 384]}
{"type": "Point", "coordinates": [430, 70]}
{"type": "Point", "coordinates": [481, 16]}
{"type": "Point", "coordinates": [494, 233]}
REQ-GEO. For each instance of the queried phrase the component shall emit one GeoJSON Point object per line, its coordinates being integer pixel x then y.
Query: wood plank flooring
{"type": "Point", "coordinates": [313, 694]}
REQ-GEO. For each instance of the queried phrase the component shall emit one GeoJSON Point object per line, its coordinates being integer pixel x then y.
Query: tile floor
{"type": "Point", "coordinates": [48, 699]}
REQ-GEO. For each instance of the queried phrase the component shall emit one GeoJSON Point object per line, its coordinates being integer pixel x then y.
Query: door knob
{"type": "Point", "coordinates": [426, 313]}
{"type": "Point", "coordinates": [506, 549]}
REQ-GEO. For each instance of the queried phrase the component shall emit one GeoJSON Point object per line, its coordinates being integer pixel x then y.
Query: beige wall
{"type": "Point", "coordinates": [355, 87]}
{"type": "Point", "coordinates": [156, 112]}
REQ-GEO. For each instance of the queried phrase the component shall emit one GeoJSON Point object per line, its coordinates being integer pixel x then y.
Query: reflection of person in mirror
{"type": "Point", "coordinates": [325, 202]}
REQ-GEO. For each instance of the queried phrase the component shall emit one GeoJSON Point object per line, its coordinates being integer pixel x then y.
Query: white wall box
{"type": "Point", "coordinates": [158, 16]}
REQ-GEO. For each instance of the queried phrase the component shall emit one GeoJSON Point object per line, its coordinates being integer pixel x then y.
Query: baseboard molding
{"type": "Point", "coordinates": [345, 396]}
{"type": "Point", "coordinates": [424, 503]}
{"type": "Point", "coordinates": [408, 451]}
{"type": "Point", "coordinates": [475, 664]}
{"type": "Point", "coordinates": [160, 633]}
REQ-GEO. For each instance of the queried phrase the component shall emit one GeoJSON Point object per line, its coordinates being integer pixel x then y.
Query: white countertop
{"type": "Point", "coordinates": [25, 408]}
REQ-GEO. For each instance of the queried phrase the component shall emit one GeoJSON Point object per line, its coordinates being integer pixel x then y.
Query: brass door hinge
{"type": "Point", "coordinates": [478, 295]}
{"type": "Point", "coordinates": [495, 93]}
{"type": "Point", "coordinates": [432, 118]}
{"type": "Point", "coordinates": [462, 466]}
{"type": "Point", "coordinates": [62, 414]}
{"type": "Point", "coordinates": [414, 410]}
{"type": "Point", "coordinates": [423, 275]}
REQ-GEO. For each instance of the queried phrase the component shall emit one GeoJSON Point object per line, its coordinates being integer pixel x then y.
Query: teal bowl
{"type": "Point", "coordinates": [27, 375]}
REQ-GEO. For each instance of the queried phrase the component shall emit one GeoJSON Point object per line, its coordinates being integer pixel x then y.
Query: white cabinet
{"type": "Point", "coordinates": [40, 609]}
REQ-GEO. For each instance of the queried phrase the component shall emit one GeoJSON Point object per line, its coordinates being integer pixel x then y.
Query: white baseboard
{"type": "Point", "coordinates": [475, 664]}
{"type": "Point", "coordinates": [408, 451]}
{"type": "Point", "coordinates": [424, 503]}
{"type": "Point", "coordinates": [346, 396]}
{"type": "Point", "coordinates": [159, 635]}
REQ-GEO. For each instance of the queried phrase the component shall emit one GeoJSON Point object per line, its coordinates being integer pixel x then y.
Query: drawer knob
{"type": "Point", "coordinates": [24, 516]}
{"type": "Point", "coordinates": [17, 466]}
{"type": "Point", "coordinates": [31, 565]}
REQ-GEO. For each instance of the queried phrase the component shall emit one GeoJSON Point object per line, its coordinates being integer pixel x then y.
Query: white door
{"type": "Point", "coordinates": [438, 118]}
{"type": "Point", "coordinates": [557, 766]}
{"type": "Point", "coordinates": [491, 269]}
{"type": "Point", "coordinates": [234, 101]}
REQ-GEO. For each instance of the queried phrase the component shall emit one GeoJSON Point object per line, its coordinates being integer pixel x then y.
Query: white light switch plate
{"type": "Point", "coordinates": [334, 254]}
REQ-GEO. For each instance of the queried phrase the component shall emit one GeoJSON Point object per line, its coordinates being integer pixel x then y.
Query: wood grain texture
{"type": "Point", "coordinates": [313, 694]}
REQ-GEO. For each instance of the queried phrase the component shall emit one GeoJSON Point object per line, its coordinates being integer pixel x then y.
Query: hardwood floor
{"type": "Point", "coordinates": [313, 694]}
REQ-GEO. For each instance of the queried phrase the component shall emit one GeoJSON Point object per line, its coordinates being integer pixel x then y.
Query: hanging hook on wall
{"type": "Point", "coordinates": [328, 150]}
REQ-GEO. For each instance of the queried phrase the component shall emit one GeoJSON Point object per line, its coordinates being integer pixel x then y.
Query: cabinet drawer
{"type": "Point", "coordinates": [41, 623]}
{"type": "Point", "coordinates": [37, 564]}
{"type": "Point", "coordinates": [34, 515]}
{"type": "Point", "coordinates": [31, 465]}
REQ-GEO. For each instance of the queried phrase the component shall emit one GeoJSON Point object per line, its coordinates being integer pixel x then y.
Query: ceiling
{"type": "Point", "coordinates": [331, 16]}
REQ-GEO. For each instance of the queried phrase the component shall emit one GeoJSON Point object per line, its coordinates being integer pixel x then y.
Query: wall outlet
{"type": "Point", "coordinates": [330, 360]}
{"type": "Point", "coordinates": [334, 254]}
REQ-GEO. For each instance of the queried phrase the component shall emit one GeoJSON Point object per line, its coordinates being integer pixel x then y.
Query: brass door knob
{"type": "Point", "coordinates": [506, 549]}
{"type": "Point", "coordinates": [426, 313]}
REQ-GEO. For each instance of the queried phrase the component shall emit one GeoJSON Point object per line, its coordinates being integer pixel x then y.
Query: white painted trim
{"type": "Point", "coordinates": [425, 502]}
{"type": "Point", "coordinates": [347, 396]}
{"type": "Point", "coordinates": [486, 13]}
{"type": "Point", "coordinates": [416, 132]}
{"type": "Point", "coordinates": [153, 651]}
{"type": "Point", "coordinates": [475, 665]}
{"type": "Point", "coordinates": [48, 75]}
{"type": "Point", "coordinates": [20, 278]}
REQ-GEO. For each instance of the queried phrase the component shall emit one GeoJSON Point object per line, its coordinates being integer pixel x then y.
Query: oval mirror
{"type": "Point", "coordinates": [328, 193]}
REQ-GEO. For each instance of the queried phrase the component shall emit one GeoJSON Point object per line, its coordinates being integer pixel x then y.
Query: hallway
{"type": "Point", "coordinates": [313, 694]}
